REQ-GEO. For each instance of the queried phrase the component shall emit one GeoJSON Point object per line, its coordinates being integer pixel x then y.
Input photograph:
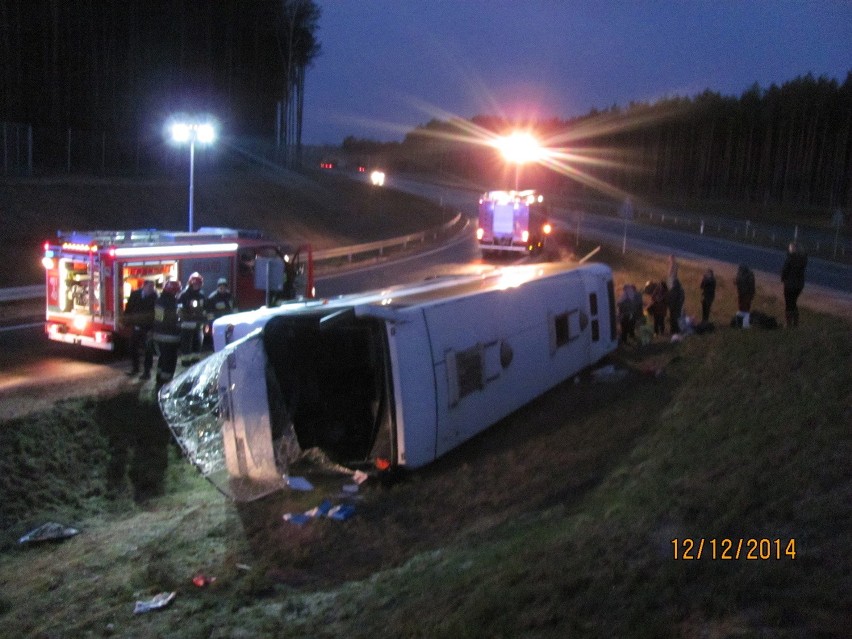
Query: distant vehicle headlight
{"type": "Point", "coordinates": [377, 178]}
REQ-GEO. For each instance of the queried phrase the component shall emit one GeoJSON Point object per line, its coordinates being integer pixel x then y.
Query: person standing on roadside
{"type": "Point", "coordinates": [793, 276]}
{"type": "Point", "coordinates": [626, 315]}
{"type": "Point", "coordinates": [675, 300]}
{"type": "Point", "coordinates": [658, 306]}
{"type": "Point", "coordinates": [166, 332]}
{"type": "Point", "coordinates": [191, 305]}
{"type": "Point", "coordinates": [673, 269]}
{"type": "Point", "coordinates": [744, 282]}
{"type": "Point", "coordinates": [638, 307]}
{"type": "Point", "coordinates": [220, 302]}
{"type": "Point", "coordinates": [139, 313]}
{"type": "Point", "coordinates": [708, 294]}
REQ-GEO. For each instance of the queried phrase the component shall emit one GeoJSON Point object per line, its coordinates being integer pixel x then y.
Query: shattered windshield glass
{"type": "Point", "coordinates": [218, 411]}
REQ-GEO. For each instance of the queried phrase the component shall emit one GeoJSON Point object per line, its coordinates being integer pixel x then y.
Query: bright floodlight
{"type": "Point", "coordinates": [180, 132]}
{"type": "Point", "coordinates": [183, 132]}
{"type": "Point", "coordinates": [519, 148]}
{"type": "Point", "coordinates": [192, 132]}
{"type": "Point", "coordinates": [205, 133]}
{"type": "Point", "coordinates": [377, 178]}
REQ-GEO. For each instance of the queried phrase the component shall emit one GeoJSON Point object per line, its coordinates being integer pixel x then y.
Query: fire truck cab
{"type": "Point", "coordinates": [90, 274]}
{"type": "Point", "coordinates": [512, 221]}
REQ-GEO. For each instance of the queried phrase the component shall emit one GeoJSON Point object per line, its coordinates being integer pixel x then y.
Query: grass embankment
{"type": "Point", "coordinates": [557, 522]}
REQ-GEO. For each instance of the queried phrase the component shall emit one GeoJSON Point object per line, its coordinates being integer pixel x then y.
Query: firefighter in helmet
{"type": "Point", "coordinates": [166, 332]}
{"type": "Point", "coordinates": [220, 302]}
{"type": "Point", "coordinates": [192, 318]}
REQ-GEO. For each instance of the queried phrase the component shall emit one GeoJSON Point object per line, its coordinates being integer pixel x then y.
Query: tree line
{"type": "Point", "coordinates": [125, 67]}
{"type": "Point", "coordinates": [788, 145]}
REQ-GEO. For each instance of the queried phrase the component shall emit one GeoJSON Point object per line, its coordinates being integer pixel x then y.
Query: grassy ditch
{"type": "Point", "coordinates": [557, 522]}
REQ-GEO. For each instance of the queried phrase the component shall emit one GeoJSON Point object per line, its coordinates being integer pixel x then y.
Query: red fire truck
{"type": "Point", "coordinates": [90, 274]}
{"type": "Point", "coordinates": [512, 221]}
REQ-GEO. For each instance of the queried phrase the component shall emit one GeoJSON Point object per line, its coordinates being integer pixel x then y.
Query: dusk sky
{"type": "Point", "coordinates": [388, 65]}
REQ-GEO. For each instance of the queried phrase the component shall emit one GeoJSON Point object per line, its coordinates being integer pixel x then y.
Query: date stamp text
{"type": "Point", "coordinates": [750, 549]}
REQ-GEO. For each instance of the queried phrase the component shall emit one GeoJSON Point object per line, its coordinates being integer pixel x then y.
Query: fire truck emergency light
{"type": "Point", "coordinates": [187, 249]}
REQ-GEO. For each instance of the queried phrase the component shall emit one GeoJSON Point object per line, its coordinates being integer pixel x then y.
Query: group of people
{"type": "Point", "coordinates": [792, 278]}
{"type": "Point", "coordinates": [667, 297]}
{"type": "Point", "coordinates": [172, 323]}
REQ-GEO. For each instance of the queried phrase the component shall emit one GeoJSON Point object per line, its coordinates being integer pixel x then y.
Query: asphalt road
{"type": "Point", "coordinates": [610, 230]}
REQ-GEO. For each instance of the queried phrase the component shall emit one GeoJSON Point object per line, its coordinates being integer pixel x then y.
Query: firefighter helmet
{"type": "Point", "coordinates": [196, 277]}
{"type": "Point", "coordinates": [172, 287]}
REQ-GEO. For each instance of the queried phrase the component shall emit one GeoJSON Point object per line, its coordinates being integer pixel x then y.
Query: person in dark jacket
{"type": "Point", "coordinates": [139, 313]}
{"type": "Point", "coordinates": [191, 305]}
{"type": "Point", "coordinates": [793, 276]}
{"type": "Point", "coordinates": [638, 306]}
{"type": "Point", "coordinates": [220, 302]}
{"type": "Point", "coordinates": [166, 332]}
{"type": "Point", "coordinates": [744, 282]}
{"type": "Point", "coordinates": [626, 315]}
{"type": "Point", "coordinates": [708, 294]}
{"type": "Point", "coordinates": [658, 306]}
{"type": "Point", "coordinates": [675, 300]}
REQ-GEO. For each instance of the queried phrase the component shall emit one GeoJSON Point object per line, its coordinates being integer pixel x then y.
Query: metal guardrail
{"type": "Point", "coordinates": [379, 247]}
{"type": "Point", "coordinates": [20, 293]}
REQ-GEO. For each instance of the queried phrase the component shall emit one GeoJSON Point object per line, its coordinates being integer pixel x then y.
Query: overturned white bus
{"type": "Point", "coordinates": [390, 378]}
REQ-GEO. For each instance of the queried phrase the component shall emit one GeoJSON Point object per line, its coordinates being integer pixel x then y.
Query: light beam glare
{"type": "Point", "coordinates": [558, 151]}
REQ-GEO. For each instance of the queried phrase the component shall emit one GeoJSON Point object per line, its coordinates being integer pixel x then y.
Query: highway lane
{"type": "Point", "coordinates": [455, 256]}
{"type": "Point", "coordinates": [610, 230]}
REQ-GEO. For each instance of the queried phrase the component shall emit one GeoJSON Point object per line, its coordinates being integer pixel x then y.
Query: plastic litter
{"type": "Point", "coordinates": [359, 477]}
{"type": "Point", "coordinates": [321, 510]}
{"type": "Point", "coordinates": [341, 512]}
{"type": "Point", "coordinates": [159, 601]}
{"type": "Point", "coordinates": [50, 531]}
{"type": "Point", "coordinates": [299, 483]}
{"type": "Point", "coordinates": [300, 519]}
{"type": "Point", "coordinates": [202, 580]}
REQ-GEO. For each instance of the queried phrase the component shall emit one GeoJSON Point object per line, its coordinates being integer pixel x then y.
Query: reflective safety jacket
{"type": "Point", "coordinates": [219, 304]}
{"type": "Point", "coordinates": [166, 323]}
{"type": "Point", "coordinates": [191, 307]}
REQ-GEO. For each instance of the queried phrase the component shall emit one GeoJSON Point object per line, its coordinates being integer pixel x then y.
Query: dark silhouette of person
{"type": "Point", "coordinates": [744, 282]}
{"type": "Point", "coordinates": [708, 294]}
{"type": "Point", "coordinates": [139, 313]}
{"type": "Point", "coordinates": [793, 276]}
